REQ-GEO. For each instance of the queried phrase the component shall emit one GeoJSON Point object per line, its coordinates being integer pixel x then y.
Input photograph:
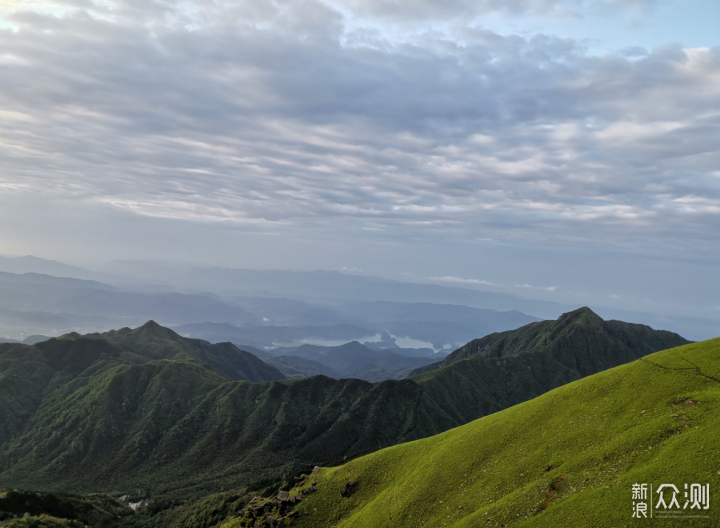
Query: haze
{"type": "Point", "coordinates": [556, 151]}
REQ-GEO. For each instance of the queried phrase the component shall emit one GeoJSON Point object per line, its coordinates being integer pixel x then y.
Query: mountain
{"type": "Point", "coordinates": [30, 264]}
{"type": "Point", "coordinates": [439, 324]}
{"type": "Point", "coordinates": [295, 367]}
{"type": "Point", "coordinates": [154, 342]}
{"type": "Point", "coordinates": [38, 280]}
{"type": "Point", "coordinates": [291, 312]}
{"type": "Point", "coordinates": [333, 288]}
{"type": "Point", "coordinates": [353, 360]}
{"type": "Point", "coordinates": [134, 409]}
{"type": "Point", "coordinates": [567, 458]}
{"type": "Point", "coordinates": [257, 352]}
{"type": "Point", "coordinates": [270, 335]}
{"type": "Point", "coordinates": [579, 340]}
{"type": "Point", "coordinates": [434, 327]}
{"type": "Point", "coordinates": [31, 340]}
{"type": "Point", "coordinates": [54, 510]}
{"type": "Point", "coordinates": [261, 290]}
{"type": "Point", "coordinates": [52, 305]}
{"type": "Point", "coordinates": [321, 286]}
{"type": "Point", "coordinates": [36, 304]}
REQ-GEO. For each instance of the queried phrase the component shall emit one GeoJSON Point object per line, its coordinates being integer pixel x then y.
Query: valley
{"type": "Point", "coordinates": [211, 421]}
{"type": "Point", "coordinates": [148, 409]}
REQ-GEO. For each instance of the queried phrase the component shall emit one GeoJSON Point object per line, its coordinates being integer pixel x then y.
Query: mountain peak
{"type": "Point", "coordinates": [582, 315]}
{"type": "Point", "coordinates": [580, 340]}
{"type": "Point", "coordinates": [151, 328]}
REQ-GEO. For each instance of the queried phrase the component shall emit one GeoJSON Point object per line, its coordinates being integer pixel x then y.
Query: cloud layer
{"type": "Point", "coordinates": [292, 114]}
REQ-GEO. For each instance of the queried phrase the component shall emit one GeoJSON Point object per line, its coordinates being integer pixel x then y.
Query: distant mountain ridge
{"type": "Point", "coordinates": [30, 264]}
{"type": "Point", "coordinates": [295, 367]}
{"type": "Point", "coordinates": [349, 360]}
{"type": "Point", "coordinates": [32, 304]}
{"type": "Point", "coordinates": [354, 360]}
{"type": "Point", "coordinates": [32, 278]}
{"type": "Point", "coordinates": [323, 285]}
{"type": "Point", "coordinates": [326, 286]}
{"type": "Point", "coordinates": [134, 409]}
{"type": "Point", "coordinates": [262, 335]}
{"type": "Point", "coordinates": [51, 303]}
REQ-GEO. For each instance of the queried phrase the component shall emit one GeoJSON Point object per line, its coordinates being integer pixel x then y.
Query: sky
{"type": "Point", "coordinates": [557, 149]}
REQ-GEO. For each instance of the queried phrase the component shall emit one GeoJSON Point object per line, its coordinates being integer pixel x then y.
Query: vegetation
{"type": "Point", "coordinates": [294, 367]}
{"type": "Point", "coordinates": [143, 411]}
{"type": "Point", "coordinates": [30, 509]}
{"type": "Point", "coordinates": [567, 458]}
{"type": "Point", "coordinates": [579, 340]}
{"type": "Point", "coordinates": [152, 341]}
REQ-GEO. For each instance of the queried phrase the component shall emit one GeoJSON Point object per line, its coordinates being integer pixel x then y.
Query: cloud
{"type": "Point", "coordinates": [477, 282]}
{"type": "Point", "coordinates": [459, 280]}
{"type": "Point", "coordinates": [351, 270]}
{"type": "Point", "coordinates": [261, 114]}
{"type": "Point", "coordinates": [24, 4]}
{"type": "Point", "coordinates": [531, 287]}
{"type": "Point", "coordinates": [432, 10]}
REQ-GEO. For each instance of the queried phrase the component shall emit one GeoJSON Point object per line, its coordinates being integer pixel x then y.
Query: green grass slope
{"type": "Point", "coordinates": [566, 458]}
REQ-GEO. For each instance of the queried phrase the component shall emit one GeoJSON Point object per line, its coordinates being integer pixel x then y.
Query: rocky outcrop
{"type": "Point", "coordinates": [276, 512]}
{"type": "Point", "coordinates": [348, 489]}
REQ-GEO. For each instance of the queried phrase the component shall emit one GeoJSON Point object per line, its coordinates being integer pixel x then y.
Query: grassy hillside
{"type": "Point", "coordinates": [99, 414]}
{"type": "Point", "coordinates": [566, 458]}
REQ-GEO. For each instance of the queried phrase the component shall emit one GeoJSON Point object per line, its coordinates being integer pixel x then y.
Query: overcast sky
{"type": "Point", "coordinates": [558, 149]}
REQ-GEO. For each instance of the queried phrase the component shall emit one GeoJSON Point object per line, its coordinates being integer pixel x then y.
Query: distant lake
{"type": "Point", "coordinates": [331, 342]}
{"type": "Point", "coordinates": [402, 342]}
{"type": "Point", "coordinates": [409, 342]}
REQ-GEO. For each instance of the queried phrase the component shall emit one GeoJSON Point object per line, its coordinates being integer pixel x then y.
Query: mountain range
{"type": "Point", "coordinates": [317, 295]}
{"type": "Point", "coordinates": [148, 409]}
{"type": "Point", "coordinates": [355, 360]}
{"type": "Point", "coordinates": [33, 304]}
{"type": "Point", "coordinates": [569, 458]}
